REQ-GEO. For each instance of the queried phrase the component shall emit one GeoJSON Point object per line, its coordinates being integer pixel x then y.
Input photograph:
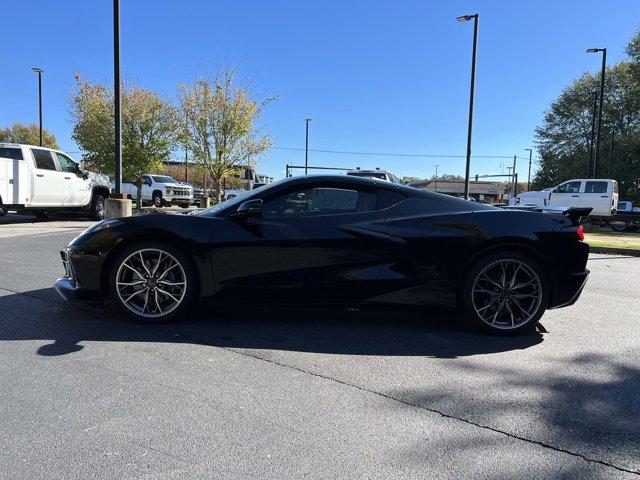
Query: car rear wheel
{"type": "Point", "coordinates": [505, 293]}
{"type": "Point", "coordinates": [97, 207]}
{"type": "Point", "coordinates": [152, 282]}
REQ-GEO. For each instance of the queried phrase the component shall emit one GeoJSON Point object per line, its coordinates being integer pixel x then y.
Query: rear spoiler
{"type": "Point", "coordinates": [575, 214]}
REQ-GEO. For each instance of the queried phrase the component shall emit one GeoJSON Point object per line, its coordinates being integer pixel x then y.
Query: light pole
{"type": "Point", "coordinates": [529, 177]}
{"type": "Point", "coordinates": [613, 135]}
{"type": "Point", "coordinates": [117, 97]}
{"type": "Point", "coordinates": [306, 144]}
{"type": "Point", "coordinates": [39, 72]}
{"type": "Point", "coordinates": [466, 18]}
{"type": "Point", "coordinates": [436, 187]}
{"type": "Point", "coordinates": [592, 162]}
{"type": "Point", "coordinates": [602, 74]}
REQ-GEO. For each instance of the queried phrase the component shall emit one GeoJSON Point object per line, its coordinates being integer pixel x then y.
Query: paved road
{"type": "Point", "coordinates": [314, 393]}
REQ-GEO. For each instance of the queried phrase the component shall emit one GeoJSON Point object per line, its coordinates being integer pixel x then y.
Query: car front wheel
{"type": "Point", "coordinates": [152, 282]}
{"type": "Point", "coordinates": [157, 200]}
{"type": "Point", "coordinates": [505, 293]}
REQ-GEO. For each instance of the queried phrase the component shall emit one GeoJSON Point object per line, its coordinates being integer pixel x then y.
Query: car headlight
{"type": "Point", "coordinates": [168, 190]}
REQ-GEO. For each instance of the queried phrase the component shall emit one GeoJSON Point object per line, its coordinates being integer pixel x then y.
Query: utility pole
{"type": "Point", "coordinates": [436, 187]}
{"type": "Point", "coordinates": [602, 74]}
{"type": "Point", "coordinates": [466, 18]}
{"type": "Point", "coordinates": [117, 96]}
{"type": "Point", "coordinates": [613, 134]}
{"type": "Point", "coordinates": [306, 144]}
{"type": "Point", "coordinates": [186, 161]}
{"type": "Point", "coordinates": [529, 176]}
{"type": "Point", "coordinates": [515, 177]}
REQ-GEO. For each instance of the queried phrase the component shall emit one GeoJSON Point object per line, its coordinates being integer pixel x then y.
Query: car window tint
{"type": "Point", "coordinates": [43, 158]}
{"type": "Point", "coordinates": [388, 198]}
{"type": "Point", "coordinates": [12, 153]}
{"type": "Point", "coordinates": [319, 201]}
{"type": "Point", "coordinates": [66, 164]}
{"type": "Point", "coordinates": [569, 187]}
{"type": "Point", "coordinates": [596, 187]}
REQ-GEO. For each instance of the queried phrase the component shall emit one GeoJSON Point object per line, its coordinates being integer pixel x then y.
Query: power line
{"type": "Point", "coordinates": [385, 154]}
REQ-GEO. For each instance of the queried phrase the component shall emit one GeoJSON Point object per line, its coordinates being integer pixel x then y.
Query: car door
{"type": "Point", "coordinates": [48, 186]}
{"type": "Point", "coordinates": [315, 241]}
{"type": "Point", "coordinates": [76, 188]}
{"type": "Point", "coordinates": [597, 195]}
{"type": "Point", "coordinates": [566, 194]}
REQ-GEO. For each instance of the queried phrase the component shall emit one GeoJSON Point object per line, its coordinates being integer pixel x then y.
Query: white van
{"type": "Point", "coordinates": [42, 180]}
{"type": "Point", "coordinates": [598, 193]}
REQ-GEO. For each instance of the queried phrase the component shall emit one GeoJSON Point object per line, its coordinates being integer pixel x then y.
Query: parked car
{"type": "Point", "coordinates": [43, 180]}
{"type": "Point", "coordinates": [161, 190]}
{"type": "Point", "coordinates": [335, 239]}
{"type": "Point", "coordinates": [599, 194]}
{"type": "Point", "coordinates": [377, 173]}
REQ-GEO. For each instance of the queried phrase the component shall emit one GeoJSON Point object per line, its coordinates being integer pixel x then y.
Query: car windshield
{"type": "Point", "coordinates": [238, 199]}
{"type": "Point", "coordinates": [163, 179]}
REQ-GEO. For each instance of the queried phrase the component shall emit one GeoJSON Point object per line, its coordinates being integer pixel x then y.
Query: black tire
{"type": "Point", "coordinates": [97, 207]}
{"type": "Point", "coordinates": [619, 226]}
{"type": "Point", "coordinates": [503, 300]}
{"type": "Point", "coordinates": [3, 211]}
{"type": "Point", "coordinates": [185, 205]}
{"type": "Point", "coordinates": [157, 201]}
{"type": "Point", "coordinates": [190, 277]}
{"type": "Point", "coordinates": [41, 214]}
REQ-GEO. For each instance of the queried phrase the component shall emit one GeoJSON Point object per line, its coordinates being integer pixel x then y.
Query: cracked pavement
{"type": "Point", "coordinates": [311, 392]}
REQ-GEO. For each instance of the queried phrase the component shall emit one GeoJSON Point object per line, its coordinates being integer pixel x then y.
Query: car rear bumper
{"type": "Point", "coordinates": [568, 288]}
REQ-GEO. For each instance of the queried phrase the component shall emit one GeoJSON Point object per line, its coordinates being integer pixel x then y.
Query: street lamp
{"type": "Point", "coordinates": [117, 98]}
{"type": "Point", "coordinates": [529, 177]}
{"type": "Point", "coordinates": [306, 144]}
{"type": "Point", "coordinates": [602, 74]}
{"type": "Point", "coordinates": [466, 18]}
{"type": "Point", "coordinates": [39, 72]}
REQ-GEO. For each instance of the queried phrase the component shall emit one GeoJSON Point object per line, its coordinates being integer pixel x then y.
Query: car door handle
{"type": "Point", "coordinates": [67, 178]}
{"type": "Point", "coordinates": [39, 174]}
{"type": "Point", "coordinates": [575, 196]}
{"type": "Point", "coordinates": [603, 196]}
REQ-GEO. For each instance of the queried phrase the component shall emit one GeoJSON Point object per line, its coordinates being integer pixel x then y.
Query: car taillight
{"type": "Point", "coordinates": [580, 232]}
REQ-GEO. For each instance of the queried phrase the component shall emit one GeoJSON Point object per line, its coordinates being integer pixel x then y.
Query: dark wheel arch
{"type": "Point", "coordinates": [157, 194]}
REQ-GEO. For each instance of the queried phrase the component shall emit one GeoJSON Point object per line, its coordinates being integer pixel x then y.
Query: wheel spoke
{"type": "Point", "coordinates": [130, 284]}
{"type": "Point", "coordinates": [171, 284]}
{"type": "Point", "coordinates": [484, 276]}
{"type": "Point", "coordinates": [499, 309]}
{"type": "Point", "coordinates": [138, 292]}
{"type": "Point", "coordinates": [133, 270]}
{"type": "Point", "coordinates": [144, 265]}
{"type": "Point", "coordinates": [167, 271]}
{"type": "Point", "coordinates": [155, 293]}
{"type": "Point", "coordinates": [513, 323]}
{"type": "Point", "coordinates": [146, 301]}
{"type": "Point", "coordinates": [164, 292]}
{"type": "Point", "coordinates": [517, 303]}
{"type": "Point", "coordinates": [514, 277]}
{"type": "Point", "coordinates": [153, 272]}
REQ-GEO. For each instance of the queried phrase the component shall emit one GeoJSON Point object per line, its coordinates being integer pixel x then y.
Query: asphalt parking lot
{"type": "Point", "coordinates": [313, 393]}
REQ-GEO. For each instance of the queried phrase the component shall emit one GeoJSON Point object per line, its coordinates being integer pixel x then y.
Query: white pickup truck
{"type": "Point", "coordinates": [160, 190]}
{"type": "Point", "coordinates": [42, 180]}
{"type": "Point", "coordinates": [599, 194]}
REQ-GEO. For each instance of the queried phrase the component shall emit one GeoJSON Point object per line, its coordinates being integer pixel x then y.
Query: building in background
{"type": "Point", "coordinates": [485, 192]}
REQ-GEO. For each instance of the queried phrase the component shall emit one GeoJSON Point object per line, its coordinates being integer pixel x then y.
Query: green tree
{"type": "Point", "coordinates": [563, 139]}
{"type": "Point", "coordinates": [149, 129]}
{"type": "Point", "coordinates": [221, 125]}
{"type": "Point", "coordinates": [28, 134]}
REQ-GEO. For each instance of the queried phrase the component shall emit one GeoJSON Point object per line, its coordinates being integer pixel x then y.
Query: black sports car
{"type": "Point", "coordinates": [334, 239]}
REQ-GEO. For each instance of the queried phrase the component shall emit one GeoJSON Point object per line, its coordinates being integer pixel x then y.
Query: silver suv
{"type": "Point", "coordinates": [377, 173]}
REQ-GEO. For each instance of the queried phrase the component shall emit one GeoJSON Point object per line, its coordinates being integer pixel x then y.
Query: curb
{"type": "Point", "coordinates": [615, 251]}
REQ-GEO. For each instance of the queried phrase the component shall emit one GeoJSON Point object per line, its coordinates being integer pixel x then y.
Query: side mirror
{"type": "Point", "coordinates": [250, 208]}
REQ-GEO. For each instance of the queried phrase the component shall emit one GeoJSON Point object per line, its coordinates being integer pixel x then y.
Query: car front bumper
{"type": "Point", "coordinates": [69, 287]}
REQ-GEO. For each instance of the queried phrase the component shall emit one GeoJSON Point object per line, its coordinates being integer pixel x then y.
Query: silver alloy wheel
{"type": "Point", "coordinates": [151, 283]}
{"type": "Point", "coordinates": [506, 294]}
{"type": "Point", "coordinates": [157, 200]}
{"type": "Point", "coordinates": [100, 208]}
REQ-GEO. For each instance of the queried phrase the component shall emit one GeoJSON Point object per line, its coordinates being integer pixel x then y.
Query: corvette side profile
{"type": "Point", "coordinates": [334, 239]}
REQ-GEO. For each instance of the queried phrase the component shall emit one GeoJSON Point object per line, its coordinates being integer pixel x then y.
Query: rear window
{"type": "Point", "coordinates": [596, 187]}
{"type": "Point", "coordinates": [12, 153]}
{"type": "Point", "coordinates": [43, 158]}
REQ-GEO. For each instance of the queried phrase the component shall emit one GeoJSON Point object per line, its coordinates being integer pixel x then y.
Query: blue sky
{"type": "Point", "coordinates": [375, 76]}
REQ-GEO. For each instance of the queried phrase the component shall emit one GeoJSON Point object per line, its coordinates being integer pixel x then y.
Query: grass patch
{"type": "Point", "coordinates": [626, 240]}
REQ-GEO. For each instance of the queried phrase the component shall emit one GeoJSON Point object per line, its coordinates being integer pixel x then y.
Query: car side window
{"type": "Point", "coordinates": [66, 164]}
{"type": "Point", "coordinates": [569, 187]}
{"type": "Point", "coordinates": [596, 187]}
{"type": "Point", "coordinates": [12, 153]}
{"type": "Point", "coordinates": [43, 159]}
{"type": "Point", "coordinates": [319, 201]}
